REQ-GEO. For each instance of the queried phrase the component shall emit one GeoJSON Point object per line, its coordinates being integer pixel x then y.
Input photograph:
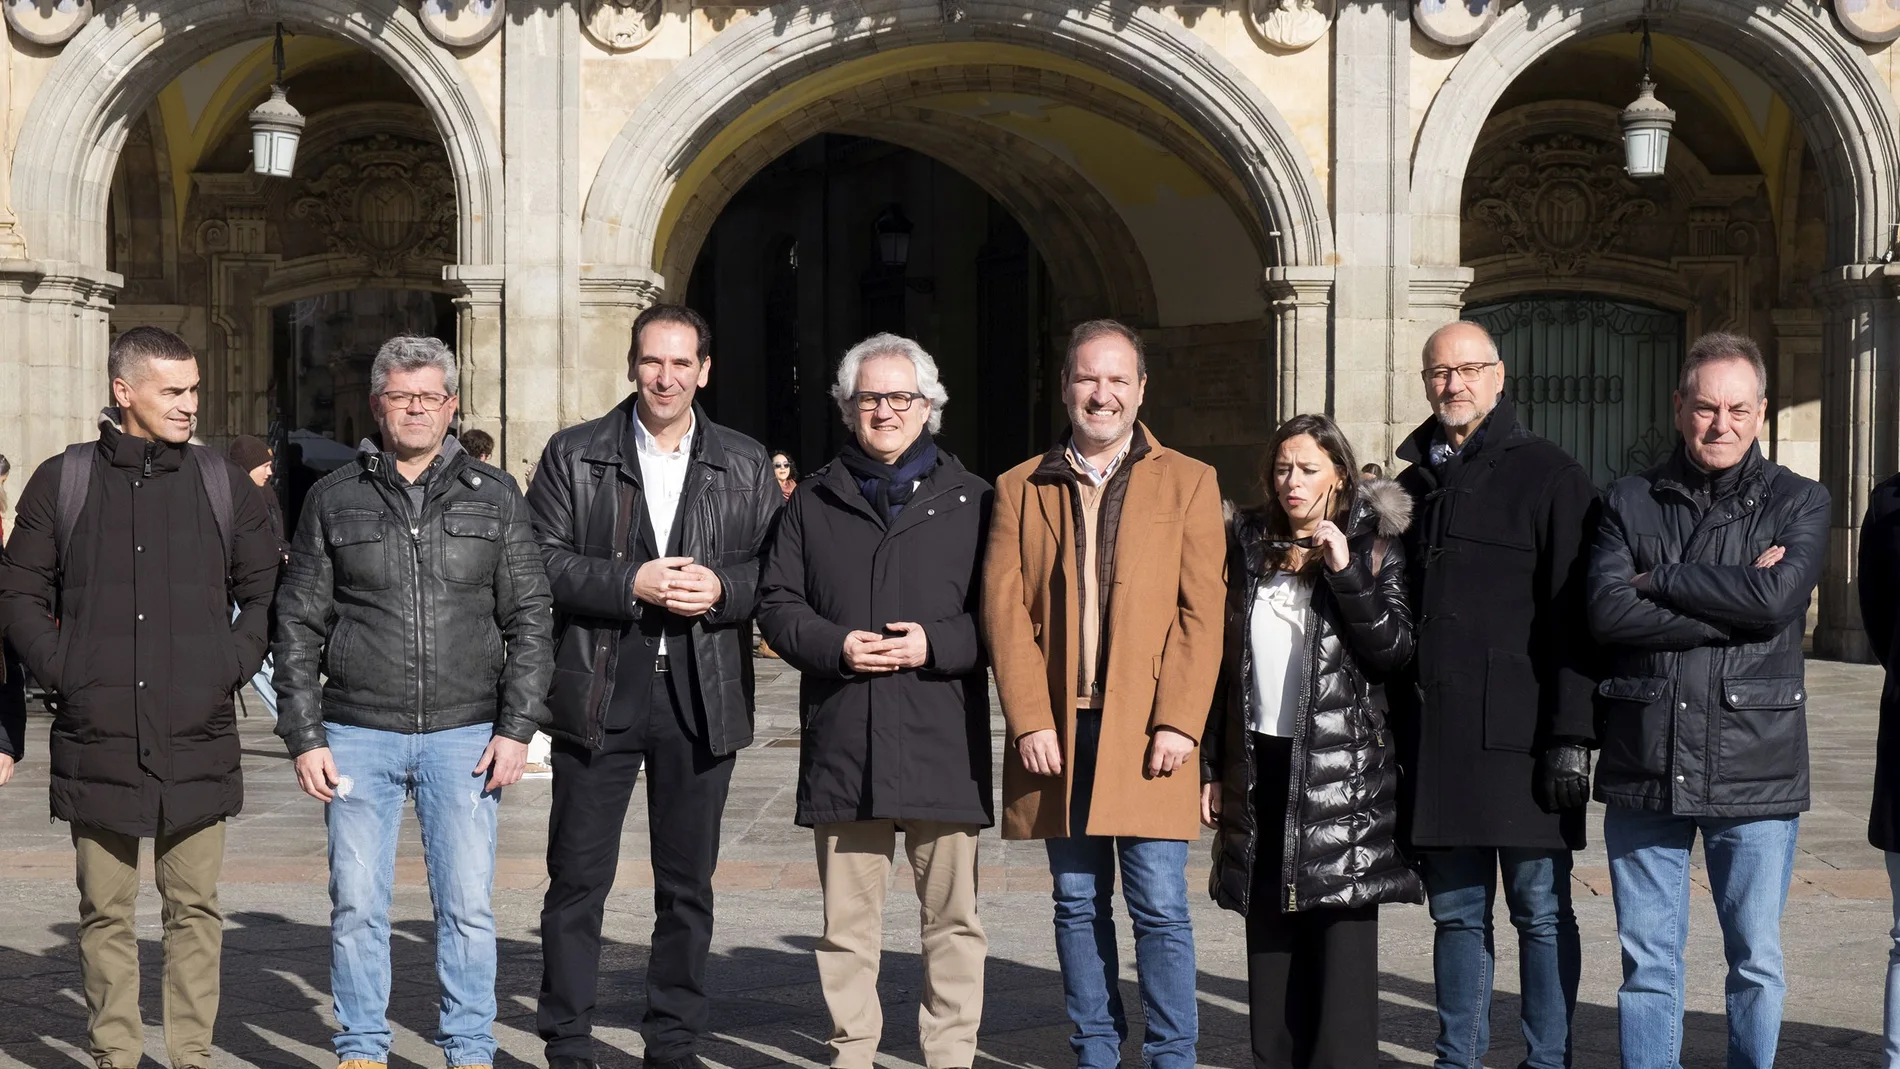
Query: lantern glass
{"type": "Point", "coordinates": [1646, 151]}
{"type": "Point", "coordinates": [273, 152]}
{"type": "Point", "coordinates": [893, 247]}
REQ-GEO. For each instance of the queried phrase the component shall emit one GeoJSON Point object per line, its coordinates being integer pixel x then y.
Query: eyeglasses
{"type": "Point", "coordinates": [430, 402]}
{"type": "Point", "coordinates": [899, 401]}
{"type": "Point", "coordinates": [1441, 376]}
{"type": "Point", "coordinates": [781, 465]}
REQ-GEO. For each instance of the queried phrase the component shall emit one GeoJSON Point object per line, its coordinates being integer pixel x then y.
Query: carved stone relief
{"type": "Point", "coordinates": [47, 22]}
{"type": "Point", "coordinates": [1455, 23]}
{"type": "Point", "coordinates": [621, 25]}
{"type": "Point", "coordinates": [1562, 199]}
{"type": "Point", "coordinates": [386, 199]}
{"type": "Point", "coordinates": [461, 23]}
{"type": "Point", "coordinates": [1290, 25]}
{"type": "Point", "coordinates": [1873, 21]}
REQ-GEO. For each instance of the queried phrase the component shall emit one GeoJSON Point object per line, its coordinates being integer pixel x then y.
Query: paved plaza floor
{"type": "Point", "coordinates": [767, 1007]}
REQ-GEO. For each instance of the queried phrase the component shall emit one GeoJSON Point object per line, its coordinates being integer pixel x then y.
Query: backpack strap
{"type": "Point", "coordinates": [75, 479]}
{"type": "Point", "coordinates": [217, 482]}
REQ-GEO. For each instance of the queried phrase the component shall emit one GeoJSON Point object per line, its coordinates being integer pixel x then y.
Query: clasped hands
{"type": "Point", "coordinates": [869, 653]}
{"type": "Point", "coordinates": [678, 585]}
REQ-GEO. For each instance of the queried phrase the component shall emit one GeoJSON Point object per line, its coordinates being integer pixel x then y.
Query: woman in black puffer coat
{"type": "Point", "coordinates": [1300, 774]}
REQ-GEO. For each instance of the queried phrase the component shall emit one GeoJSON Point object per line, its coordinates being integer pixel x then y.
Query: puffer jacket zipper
{"type": "Point", "coordinates": [1296, 762]}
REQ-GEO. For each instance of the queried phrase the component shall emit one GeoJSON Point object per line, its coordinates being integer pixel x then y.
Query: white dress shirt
{"type": "Point", "coordinates": [662, 481]}
{"type": "Point", "coordinates": [1088, 471]}
{"type": "Point", "coordinates": [1277, 639]}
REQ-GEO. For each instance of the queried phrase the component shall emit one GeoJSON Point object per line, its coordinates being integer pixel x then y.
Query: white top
{"type": "Point", "coordinates": [663, 480]}
{"type": "Point", "coordinates": [1277, 643]}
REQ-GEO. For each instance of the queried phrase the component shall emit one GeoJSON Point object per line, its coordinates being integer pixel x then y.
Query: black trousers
{"type": "Point", "coordinates": [686, 796]}
{"type": "Point", "coordinates": [1313, 976]}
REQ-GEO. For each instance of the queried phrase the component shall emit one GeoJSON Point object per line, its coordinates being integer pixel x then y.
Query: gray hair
{"type": "Point", "coordinates": [412, 352]}
{"type": "Point", "coordinates": [928, 384]}
{"type": "Point", "coordinates": [1720, 345]}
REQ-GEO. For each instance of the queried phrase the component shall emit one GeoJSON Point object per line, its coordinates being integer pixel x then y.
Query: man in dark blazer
{"type": "Point", "coordinates": [1496, 732]}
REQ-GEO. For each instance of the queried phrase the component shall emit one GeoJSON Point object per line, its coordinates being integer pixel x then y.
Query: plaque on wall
{"type": "Point", "coordinates": [461, 23]}
{"type": "Point", "coordinates": [47, 22]}
{"type": "Point", "coordinates": [1454, 22]}
{"type": "Point", "coordinates": [621, 25]}
{"type": "Point", "coordinates": [1290, 24]}
{"type": "Point", "coordinates": [1873, 21]}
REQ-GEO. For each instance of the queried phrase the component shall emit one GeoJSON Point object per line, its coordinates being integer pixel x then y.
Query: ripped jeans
{"type": "Point", "coordinates": [377, 770]}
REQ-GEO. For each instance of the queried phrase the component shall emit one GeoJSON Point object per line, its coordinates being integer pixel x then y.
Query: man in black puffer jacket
{"type": "Point", "coordinates": [415, 587]}
{"type": "Point", "coordinates": [651, 519]}
{"type": "Point", "coordinates": [116, 592]}
{"type": "Point", "coordinates": [1699, 587]}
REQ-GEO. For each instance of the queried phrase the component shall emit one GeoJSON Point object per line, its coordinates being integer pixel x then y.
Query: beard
{"type": "Point", "coordinates": [1474, 416]}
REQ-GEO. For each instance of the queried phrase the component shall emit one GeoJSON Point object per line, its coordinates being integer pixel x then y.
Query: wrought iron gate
{"type": "Point", "coordinates": [1592, 375]}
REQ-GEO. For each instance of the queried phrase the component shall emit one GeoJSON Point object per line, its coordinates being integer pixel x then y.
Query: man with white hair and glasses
{"type": "Point", "coordinates": [413, 653]}
{"type": "Point", "coordinates": [870, 590]}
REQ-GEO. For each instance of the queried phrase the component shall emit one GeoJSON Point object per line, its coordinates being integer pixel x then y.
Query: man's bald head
{"type": "Point", "coordinates": [1462, 373]}
{"type": "Point", "coordinates": [1462, 334]}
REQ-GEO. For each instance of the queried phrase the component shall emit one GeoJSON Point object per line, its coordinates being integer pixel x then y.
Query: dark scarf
{"type": "Point", "coordinates": [888, 486]}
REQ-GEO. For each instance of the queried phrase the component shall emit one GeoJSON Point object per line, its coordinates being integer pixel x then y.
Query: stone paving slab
{"type": "Point", "coordinates": [768, 1010]}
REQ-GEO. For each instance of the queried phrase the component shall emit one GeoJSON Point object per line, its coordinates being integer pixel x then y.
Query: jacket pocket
{"type": "Point", "coordinates": [1634, 719]}
{"type": "Point", "coordinates": [471, 542]}
{"type": "Point", "coordinates": [357, 551]}
{"type": "Point", "coordinates": [1764, 729]}
{"type": "Point", "coordinates": [1510, 702]}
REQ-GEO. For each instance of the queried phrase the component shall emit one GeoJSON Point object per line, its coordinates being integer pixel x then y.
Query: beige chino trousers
{"type": "Point", "coordinates": [854, 866]}
{"type": "Point", "coordinates": [187, 868]}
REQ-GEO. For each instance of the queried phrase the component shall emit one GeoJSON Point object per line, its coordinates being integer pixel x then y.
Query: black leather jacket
{"type": "Point", "coordinates": [728, 505]}
{"type": "Point", "coordinates": [419, 623]}
{"type": "Point", "coordinates": [1703, 712]}
{"type": "Point", "coordinates": [1340, 846]}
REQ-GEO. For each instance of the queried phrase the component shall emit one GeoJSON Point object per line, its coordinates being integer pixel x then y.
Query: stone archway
{"type": "Point", "coordinates": [1849, 121]}
{"type": "Point", "coordinates": [771, 50]}
{"type": "Point", "coordinates": [69, 145]}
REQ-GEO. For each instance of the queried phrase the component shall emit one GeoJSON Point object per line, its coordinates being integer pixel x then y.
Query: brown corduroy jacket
{"type": "Point", "coordinates": [1163, 636]}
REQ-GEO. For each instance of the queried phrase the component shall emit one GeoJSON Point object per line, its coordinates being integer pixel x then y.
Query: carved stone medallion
{"type": "Point", "coordinates": [1874, 21]}
{"type": "Point", "coordinates": [1290, 25]}
{"type": "Point", "coordinates": [1454, 22]}
{"type": "Point", "coordinates": [621, 25]}
{"type": "Point", "coordinates": [461, 23]}
{"type": "Point", "coordinates": [47, 22]}
{"type": "Point", "coordinates": [387, 199]}
{"type": "Point", "coordinates": [1562, 199]}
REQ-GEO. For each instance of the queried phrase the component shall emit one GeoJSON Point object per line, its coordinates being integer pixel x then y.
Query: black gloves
{"type": "Point", "coordinates": [1563, 777]}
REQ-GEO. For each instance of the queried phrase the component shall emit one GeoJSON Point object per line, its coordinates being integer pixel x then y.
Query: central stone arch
{"type": "Point", "coordinates": [769, 51]}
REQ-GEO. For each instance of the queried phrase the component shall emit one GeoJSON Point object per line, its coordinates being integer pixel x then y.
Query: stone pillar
{"type": "Point", "coordinates": [1857, 436]}
{"type": "Point", "coordinates": [542, 52]}
{"type": "Point", "coordinates": [1795, 402]}
{"type": "Point", "coordinates": [479, 340]}
{"type": "Point", "coordinates": [1302, 300]}
{"type": "Point", "coordinates": [1372, 53]}
{"type": "Point", "coordinates": [57, 319]}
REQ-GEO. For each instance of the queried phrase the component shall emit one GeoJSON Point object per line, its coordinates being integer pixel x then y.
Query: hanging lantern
{"type": "Point", "coordinates": [893, 237]}
{"type": "Point", "coordinates": [276, 127]}
{"type": "Point", "coordinates": [1646, 125]}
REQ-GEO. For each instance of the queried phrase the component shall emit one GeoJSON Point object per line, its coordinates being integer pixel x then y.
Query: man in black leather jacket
{"type": "Point", "coordinates": [652, 518]}
{"type": "Point", "coordinates": [1699, 587]}
{"type": "Point", "coordinates": [415, 586]}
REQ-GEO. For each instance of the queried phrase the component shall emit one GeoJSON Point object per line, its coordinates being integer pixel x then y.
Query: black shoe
{"type": "Point", "coordinates": [569, 1061]}
{"type": "Point", "coordinates": [684, 1061]}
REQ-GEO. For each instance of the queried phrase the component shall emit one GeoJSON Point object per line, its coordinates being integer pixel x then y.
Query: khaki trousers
{"type": "Point", "coordinates": [854, 865]}
{"type": "Point", "coordinates": [187, 869]}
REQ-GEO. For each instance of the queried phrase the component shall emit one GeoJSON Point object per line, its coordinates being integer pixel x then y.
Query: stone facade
{"type": "Point", "coordinates": [1285, 198]}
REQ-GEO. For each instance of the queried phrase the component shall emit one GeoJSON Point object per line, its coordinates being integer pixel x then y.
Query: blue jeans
{"type": "Point", "coordinates": [1461, 885]}
{"type": "Point", "coordinates": [1154, 886]}
{"type": "Point", "coordinates": [376, 771]}
{"type": "Point", "coordinates": [1750, 863]}
{"type": "Point", "coordinates": [1891, 1023]}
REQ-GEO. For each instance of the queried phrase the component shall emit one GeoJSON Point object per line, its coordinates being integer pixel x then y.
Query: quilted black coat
{"type": "Point", "coordinates": [1340, 836]}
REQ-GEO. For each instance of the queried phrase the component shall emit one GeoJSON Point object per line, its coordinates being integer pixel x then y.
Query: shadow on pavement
{"type": "Point", "coordinates": [767, 1008]}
